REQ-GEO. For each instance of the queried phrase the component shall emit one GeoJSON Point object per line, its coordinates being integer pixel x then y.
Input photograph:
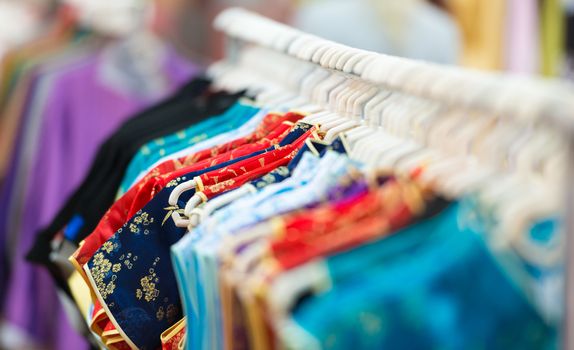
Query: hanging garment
{"type": "Point", "coordinates": [29, 119]}
{"type": "Point", "coordinates": [99, 187]}
{"type": "Point", "coordinates": [210, 222]}
{"type": "Point", "coordinates": [395, 293]}
{"type": "Point", "coordinates": [18, 76]}
{"type": "Point", "coordinates": [232, 119]}
{"type": "Point", "coordinates": [41, 252]}
{"type": "Point", "coordinates": [151, 226]}
{"type": "Point", "coordinates": [66, 146]}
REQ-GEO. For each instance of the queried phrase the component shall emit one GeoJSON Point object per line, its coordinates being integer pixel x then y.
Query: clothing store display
{"type": "Point", "coordinates": [298, 194]}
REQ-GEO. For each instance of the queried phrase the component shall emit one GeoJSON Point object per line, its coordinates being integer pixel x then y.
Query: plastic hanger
{"type": "Point", "coordinates": [346, 104]}
{"type": "Point", "coordinates": [392, 123]}
{"type": "Point", "coordinates": [369, 125]}
{"type": "Point", "coordinates": [367, 110]}
{"type": "Point", "coordinates": [197, 215]}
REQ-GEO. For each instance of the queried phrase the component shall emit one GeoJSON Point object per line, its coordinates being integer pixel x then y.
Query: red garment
{"type": "Point", "coordinates": [140, 194]}
{"type": "Point", "coordinates": [333, 228]}
{"type": "Point", "coordinates": [172, 337]}
{"type": "Point", "coordinates": [235, 175]}
{"type": "Point", "coordinates": [270, 123]}
{"type": "Point", "coordinates": [241, 180]}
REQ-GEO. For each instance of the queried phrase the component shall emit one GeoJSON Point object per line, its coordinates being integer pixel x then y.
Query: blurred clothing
{"type": "Point", "coordinates": [482, 26]}
{"type": "Point", "coordinates": [424, 31]}
{"type": "Point", "coordinates": [66, 101]}
{"type": "Point", "coordinates": [522, 37]}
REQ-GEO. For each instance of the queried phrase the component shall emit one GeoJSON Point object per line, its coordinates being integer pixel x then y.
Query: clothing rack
{"type": "Point", "coordinates": [534, 101]}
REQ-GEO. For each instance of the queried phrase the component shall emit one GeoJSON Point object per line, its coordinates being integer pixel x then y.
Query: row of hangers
{"type": "Point", "coordinates": [474, 133]}
{"type": "Point", "coordinates": [386, 129]}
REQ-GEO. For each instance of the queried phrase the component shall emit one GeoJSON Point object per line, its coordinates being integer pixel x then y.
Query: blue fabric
{"type": "Point", "coordinates": [153, 151]}
{"type": "Point", "coordinates": [73, 228]}
{"type": "Point", "coordinates": [132, 272]}
{"type": "Point", "coordinates": [433, 285]}
{"type": "Point", "coordinates": [197, 254]}
{"type": "Point", "coordinates": [283, 173]}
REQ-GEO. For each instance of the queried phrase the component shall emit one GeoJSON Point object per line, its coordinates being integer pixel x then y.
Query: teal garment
{"type": "Point", "coordinates": [534, 262]}
{"type": "Point", "coordinates": [545, 283]}
{"type": "Point", "coordinates": [434, 285]}
{"type": "Point", "coordinates": [153, 151]}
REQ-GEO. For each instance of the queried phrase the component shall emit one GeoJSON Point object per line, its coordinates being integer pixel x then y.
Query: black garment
{"type": "Point", "coordinates": [192, 104]}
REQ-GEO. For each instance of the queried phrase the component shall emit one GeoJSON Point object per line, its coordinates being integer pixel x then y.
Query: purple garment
{"type": "Point", "coordinates": [82, 111]}
{"type": "Point", "coordinates": [22, 155]}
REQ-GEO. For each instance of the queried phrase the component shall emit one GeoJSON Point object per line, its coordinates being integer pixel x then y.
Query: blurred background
{"type": "Point", "coordinates": [530, 37]}
{"type": "Point", "coordinates": [521, 36]}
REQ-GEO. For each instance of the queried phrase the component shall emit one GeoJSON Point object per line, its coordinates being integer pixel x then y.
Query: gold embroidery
{"type": "Point", "coordinates": [142, 218]}
{"type": "Point", "coordinates": [221, 186]}
{"type": "Point", "coordinates": [283, 171]}
{"type": "Point", "coordinates": [129, 264]}
{"type": "Point", "coordinates": [110, 288]}
{"type": "Point", "coordinates": [108, 247]}
{"type": "Point", "coordinates": [191, 159]}
{"type": "Point", "coordinates": [98, 258]}
{"type": "Point", "coordinates": [177, 164]}
{"type": "Point", "coordinates": [175, 182]}
{"type": "Point", "coordinates": [134, 228]}
{"type": "Point", "coordinates": [101, 267]}
{"type": "Point", "coordinates": [198, 138]}
{"type": "Point", "coordinates": [267, 179]}
{"type": "Point", "coordinates": [116, 268]}
{"type": "Point", "coordinates": [170, 211]}
{"type": "Point", "coordinates": [148, 289]}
